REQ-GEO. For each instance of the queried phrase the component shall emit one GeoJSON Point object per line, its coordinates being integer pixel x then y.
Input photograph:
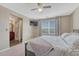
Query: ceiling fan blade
{"type": "Point", "coordinates": [34, 9]}
{"type": "Point", "coordinates": [46, 6]}
{"type": "Point", "coordinates": [39, 4]}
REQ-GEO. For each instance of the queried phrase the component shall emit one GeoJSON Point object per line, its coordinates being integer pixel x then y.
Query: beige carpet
{"type": "Point", "coordinates": [14, 42]}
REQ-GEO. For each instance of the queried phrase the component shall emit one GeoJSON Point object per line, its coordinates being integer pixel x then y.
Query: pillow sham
{"type": "Point", "coordinates": [64, 35]}
{"type": "Point", "coordinates": [71, 39]}
{"type": "Point", "coordinates": [76, 44]}
{"type": "Point", "coordinates": [76, 34]}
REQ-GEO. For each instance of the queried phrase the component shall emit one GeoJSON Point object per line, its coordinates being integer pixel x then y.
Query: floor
{"type": "Point", "coordinates": [14, 42]}
{"type": "Point", "coordinates": [17, 50]}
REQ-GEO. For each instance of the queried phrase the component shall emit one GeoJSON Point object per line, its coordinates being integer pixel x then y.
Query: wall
{"type": "Point", "coordinates": [4, 27]}
{"type": "Point", "coordinates": [76, 19]}
{"type": "Point", "coordinates": [35, 30]}
{"type": "Point", "coordinates": [65, 24]}
{"type": "Point", "coordinates": [27, 31]}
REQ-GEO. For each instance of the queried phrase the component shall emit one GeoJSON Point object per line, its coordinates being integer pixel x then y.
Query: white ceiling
{"type": "Point", "coordinates": [58, 9]}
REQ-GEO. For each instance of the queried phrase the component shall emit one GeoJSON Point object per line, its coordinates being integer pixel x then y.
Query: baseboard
{"type": "Point", "coordinates": [4, 49]}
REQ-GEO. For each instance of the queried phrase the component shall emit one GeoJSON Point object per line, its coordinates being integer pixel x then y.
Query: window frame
{"type": "Point", "coordinates": [49, 26]}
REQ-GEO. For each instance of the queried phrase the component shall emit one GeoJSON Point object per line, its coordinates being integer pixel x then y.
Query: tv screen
{"type": "Point", "coordinates": [34, 23]}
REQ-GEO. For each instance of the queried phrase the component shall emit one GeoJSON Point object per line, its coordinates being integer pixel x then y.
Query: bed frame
{"type": "Point", "coordinates": [27, 52]}
{"type": "Point", "coordinates": [30, 53]}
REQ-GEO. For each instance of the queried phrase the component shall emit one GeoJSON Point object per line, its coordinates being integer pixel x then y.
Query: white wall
{"type": "Point", "coordinates": [4, 27]}
{"type": "Point", "coordinates": [76, 19]}
{"type": "Point", "coordinates": [27, 31]}
{"type": "Point", "coordinates": [4, 31]}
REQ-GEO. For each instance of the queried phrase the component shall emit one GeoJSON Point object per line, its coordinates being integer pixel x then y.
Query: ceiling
{"type": "Point", "coordinates": [58, 9]}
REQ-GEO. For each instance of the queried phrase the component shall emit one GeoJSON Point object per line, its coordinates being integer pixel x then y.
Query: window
{"type": "Point", "coordinates": [49, 27]}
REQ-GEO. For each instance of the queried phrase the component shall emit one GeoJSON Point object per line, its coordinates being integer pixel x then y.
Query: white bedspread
{"type": "Point", "coordinates": [42, 45]}
{"type": "Point", "coordinates": [60, 47]}
{"type": "Point", "coordinates": [56, 41]}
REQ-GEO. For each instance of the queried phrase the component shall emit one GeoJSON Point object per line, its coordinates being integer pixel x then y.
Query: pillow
{"type": "Point", "coordinates": [71, 39]}
{"type": "Point", "coordinates": [64, 35]}
{"type": "Point", "coordinates": [76, 34]}
{"type": "Point", "coordinates": [76, 44]}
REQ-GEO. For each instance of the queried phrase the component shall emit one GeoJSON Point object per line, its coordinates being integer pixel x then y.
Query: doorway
{"type": "Point", "coordinates": [15, 33]}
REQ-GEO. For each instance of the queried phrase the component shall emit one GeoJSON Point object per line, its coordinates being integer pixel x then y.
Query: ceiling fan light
{"type": "Point", "coordinates": [40, 9]}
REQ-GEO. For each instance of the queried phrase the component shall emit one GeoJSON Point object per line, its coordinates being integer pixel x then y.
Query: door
{"type": "Point", "coordinates": [16, 24]}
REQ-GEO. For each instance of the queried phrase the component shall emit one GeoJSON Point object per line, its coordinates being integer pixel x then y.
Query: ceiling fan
{"type": "Point", "coordinates": [41, 7]}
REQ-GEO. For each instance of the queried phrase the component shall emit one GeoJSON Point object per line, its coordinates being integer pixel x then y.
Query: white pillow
{"type": "Point", "coordinates": [64, 35]}
{"type": "Point", "coordinates": [76, 34]}
{"type": "Point", "coordinates": [71, 39]}
{"type": "Point", "coordinates": [76, 44]}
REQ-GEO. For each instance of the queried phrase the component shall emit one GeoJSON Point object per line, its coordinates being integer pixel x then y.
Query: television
{"type": "Point", "coordinates": [34, 23]}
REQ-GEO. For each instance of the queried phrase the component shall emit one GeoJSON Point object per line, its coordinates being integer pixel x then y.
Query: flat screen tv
{"type": "Point", "coordinates": [34, 23]}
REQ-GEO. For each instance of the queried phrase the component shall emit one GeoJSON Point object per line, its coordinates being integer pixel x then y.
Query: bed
{"type": "Point", "coordinates": [64, 45]}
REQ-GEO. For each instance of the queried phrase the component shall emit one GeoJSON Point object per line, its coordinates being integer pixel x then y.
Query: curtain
{"type": "Point", "coordinates": [50, 26]}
